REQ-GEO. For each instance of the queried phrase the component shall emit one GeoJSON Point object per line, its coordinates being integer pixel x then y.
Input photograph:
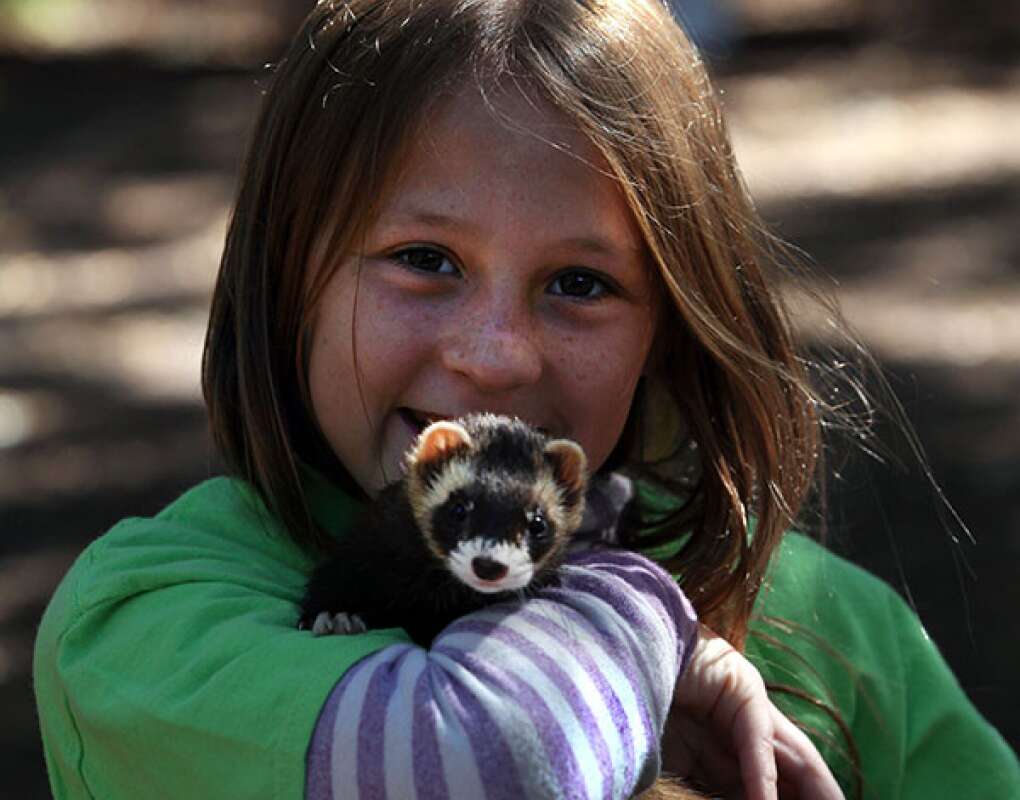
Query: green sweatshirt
{"type": "Point", "coordinates": [168, 656]}
{"type": "Point", "coordinates": [851, 640]}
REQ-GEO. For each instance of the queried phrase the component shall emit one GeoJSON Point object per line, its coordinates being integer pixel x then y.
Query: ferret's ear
{"type": "Point", "coordinates": [438, 442]}
{"type": "Point", "coordinates": [570, 467]}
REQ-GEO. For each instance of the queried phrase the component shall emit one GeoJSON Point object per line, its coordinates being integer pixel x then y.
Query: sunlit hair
{"type": "Point", "coordinates": [725, 377]}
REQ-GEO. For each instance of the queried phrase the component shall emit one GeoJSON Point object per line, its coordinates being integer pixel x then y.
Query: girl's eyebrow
{"type": "Point", "coordinates": [595, 245]}
{"type": "Point", "coordinates": [598, 246]}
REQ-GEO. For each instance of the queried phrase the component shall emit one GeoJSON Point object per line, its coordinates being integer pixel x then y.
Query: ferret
{"type": "Point", "coordinates": [485, 512]}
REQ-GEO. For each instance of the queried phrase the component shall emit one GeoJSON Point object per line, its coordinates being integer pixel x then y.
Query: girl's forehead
{"type": "Point", "coordinates": [508, 151]}
{"type": "Point", "coordinates": [505, 112]}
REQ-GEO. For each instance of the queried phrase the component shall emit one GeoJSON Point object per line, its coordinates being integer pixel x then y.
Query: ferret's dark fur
{"type": "Point", "coordinates": [484, 479]}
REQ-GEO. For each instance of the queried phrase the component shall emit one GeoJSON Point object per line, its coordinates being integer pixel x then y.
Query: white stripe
{"type": "Point", "coordinates": [459, 767]}
{"type": "Point", "coordinates": [536, 774]}
{"type": "Point", "coordinates": [592, 608]}
{"type": "Point", "coordinates": [344, 756]}
{"type": "Point", "coordinates": [397, 733]}
{"type": "Point", "coordinates": [563, 653]}
{"type": "Point", "coordinates": [577, 618]}
{"type": "Point", "coordinates": [512, 661]}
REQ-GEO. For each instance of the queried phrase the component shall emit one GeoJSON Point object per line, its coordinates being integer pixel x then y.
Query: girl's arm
{"type": "Point", "coordinates": [563, 696]}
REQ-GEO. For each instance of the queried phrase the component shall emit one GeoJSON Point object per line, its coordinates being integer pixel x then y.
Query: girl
{"type": "Point", "coordinates": [528, 208]}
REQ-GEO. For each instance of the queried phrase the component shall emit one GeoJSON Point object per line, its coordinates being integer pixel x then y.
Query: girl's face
{"type": "Point", "coordinates": [504, 274]}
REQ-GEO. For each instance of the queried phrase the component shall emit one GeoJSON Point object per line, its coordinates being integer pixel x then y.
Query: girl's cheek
{"type": "Point", "coordinates": [394, 334]}
{"type": "Point", "coordinates": [390, 311]}
{"type": "Point", "coordinates": [608, 361]}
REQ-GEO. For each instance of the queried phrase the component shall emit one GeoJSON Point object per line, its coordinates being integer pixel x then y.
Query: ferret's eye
{"type": "Point", "coordinates": [537, 525]}
{"type": "Point", "coordinates": [459, 511]}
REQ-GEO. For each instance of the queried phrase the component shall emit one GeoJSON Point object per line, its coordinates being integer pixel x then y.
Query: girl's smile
{"type": "Point", "coordinates": [504, 273]}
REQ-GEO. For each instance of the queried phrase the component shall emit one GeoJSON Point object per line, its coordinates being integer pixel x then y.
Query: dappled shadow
{"type": "Point", "coordinates": [863, 238]}
{"type": "Point", "coordinates": [115, 192]}
{"type": "Point", "coordinates": [967, 65]}
{"type": "Point", "coordinates": [978, 48]}
{"type": "Point", "coordinates": [123, 152]}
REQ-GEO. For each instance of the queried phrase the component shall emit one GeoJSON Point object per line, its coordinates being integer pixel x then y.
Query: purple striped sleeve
{"type": "Point", "coordinates": [429, 781]}
{"type": "Point", "coordinates": [655, 585]}
{"type": "Point", "coordinates": [616, 716]}
{"type": "Point", "coordinates": [561, 696]}
{"type": "Point", "coordinates": [560, 677]}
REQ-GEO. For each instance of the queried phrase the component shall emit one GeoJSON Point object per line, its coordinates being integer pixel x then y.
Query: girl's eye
{"type": "Point", "coordinates": [426, 259]}
{"type": "Point", "coordinates": [579, 284]}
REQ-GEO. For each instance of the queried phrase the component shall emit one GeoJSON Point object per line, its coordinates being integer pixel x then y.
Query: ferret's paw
{"type": "Point", "coordinates": [340, 624]}
{"type": "Point", "coordinates": [348, 623]}
{"type": "Point", "coordinates": [323, 624]}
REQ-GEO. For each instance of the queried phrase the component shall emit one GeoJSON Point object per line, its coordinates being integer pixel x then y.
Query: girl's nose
{"type": "Point", "coordinates": [495, 353]}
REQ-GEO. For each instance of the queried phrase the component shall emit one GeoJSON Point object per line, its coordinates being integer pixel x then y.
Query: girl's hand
{"type": "Point", "coordinates": [724, 733]}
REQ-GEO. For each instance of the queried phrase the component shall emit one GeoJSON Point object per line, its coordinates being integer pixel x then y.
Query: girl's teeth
{"type": "Point", "coordinates": [421, 421]}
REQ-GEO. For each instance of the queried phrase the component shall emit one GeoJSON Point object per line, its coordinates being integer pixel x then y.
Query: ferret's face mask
{"type": "Point", "coordinates": [504, 273]}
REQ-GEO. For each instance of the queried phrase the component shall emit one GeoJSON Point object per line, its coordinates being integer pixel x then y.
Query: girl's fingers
{"type": "Point", "coordinates": [800, 764]}
{"type": "Point", "coordinates": [724, 689]}
{"type": "Point", "coordinates": [753, 734]}
{"type": "Point", "coordinates": [743, 735]}
{"type": "Point", "coordinates": [729, 730]}
{"type": "Point", "coordinates": [744, 711]}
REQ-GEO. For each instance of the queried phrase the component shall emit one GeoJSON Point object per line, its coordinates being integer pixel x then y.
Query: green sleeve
{"type": "Point", "coordinates": [168, 665]}
{"type": "Point", "coordinates": [829, 629]}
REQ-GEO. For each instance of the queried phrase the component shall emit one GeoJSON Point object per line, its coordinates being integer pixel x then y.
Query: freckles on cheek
{"type": "Point", "coordinates": [382, 320]}
{"type": "Point", "coordinates": [391, 336]}
{"type": "Point", "coordinates": [600, 370]}
{"type": "Point", "coordinates": [577, 359]}
{"type": "Point", "coordinates": [598, 385]}
{"type": "Point", "coordinates": [583, 370]}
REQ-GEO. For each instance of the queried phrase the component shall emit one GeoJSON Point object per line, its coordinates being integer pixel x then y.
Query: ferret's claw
{"type": "Point", "coordinates": [348, 624]}
{"type": "Point", "coordinates": [340, 624]}
{"type": "Point", "coordinates": [323, 624]}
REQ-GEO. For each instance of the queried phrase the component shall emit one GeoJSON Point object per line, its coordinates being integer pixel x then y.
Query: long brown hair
{"type": "Point", "coordinates": [340, 107]}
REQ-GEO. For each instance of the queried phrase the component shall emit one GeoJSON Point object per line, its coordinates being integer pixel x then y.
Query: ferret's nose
{"type": "Point", "coordinates": [487, 569]}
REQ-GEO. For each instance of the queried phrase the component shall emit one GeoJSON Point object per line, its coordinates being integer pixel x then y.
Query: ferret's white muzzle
{"type": "Point", "coordinates": [477, 558]}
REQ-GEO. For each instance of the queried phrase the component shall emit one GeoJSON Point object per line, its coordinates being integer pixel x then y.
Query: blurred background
{"type": "Point", "coordinates": [883, 139]}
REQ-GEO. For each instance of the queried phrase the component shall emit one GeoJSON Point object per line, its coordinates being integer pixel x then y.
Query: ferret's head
{"type": "Point", "coordinates": [496, 501]}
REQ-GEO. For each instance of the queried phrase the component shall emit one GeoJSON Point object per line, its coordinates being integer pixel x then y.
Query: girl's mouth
{"type": "Point", "coordinates": [418, 421]}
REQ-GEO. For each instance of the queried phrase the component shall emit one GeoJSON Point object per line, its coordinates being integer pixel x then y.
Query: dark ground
{"type": "Point", "coordinates": [897, 169]}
